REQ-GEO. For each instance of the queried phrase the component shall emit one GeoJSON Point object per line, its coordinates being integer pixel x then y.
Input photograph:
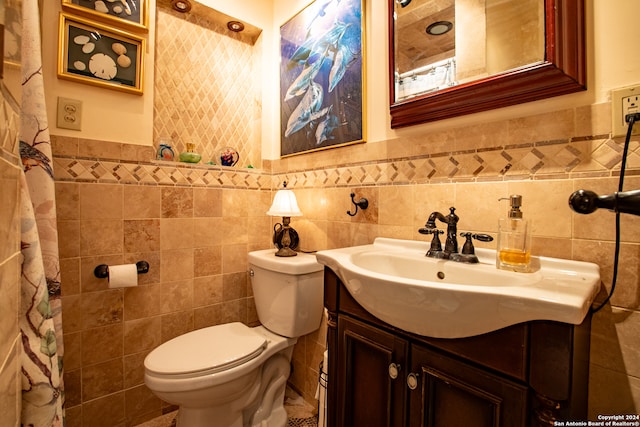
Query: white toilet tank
{"type": "Point", "coordinates": [288, 292]}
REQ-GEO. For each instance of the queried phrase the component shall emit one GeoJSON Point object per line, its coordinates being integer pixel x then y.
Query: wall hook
{"type": "Point", "coordinates": [362, 204]}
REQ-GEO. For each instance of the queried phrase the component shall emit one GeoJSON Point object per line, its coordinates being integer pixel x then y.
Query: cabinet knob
{"type": "Point", "coordinates": [412, 381]}
{"type": "Point", "coordinates": [393, 371]}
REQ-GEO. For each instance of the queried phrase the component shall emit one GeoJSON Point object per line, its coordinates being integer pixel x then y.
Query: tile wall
{"type": "Point", "coordinates": [205, 87]}
{"type": "Point", "coordinates": [545, 158]}
{"type": "Point", "coordinates": [10, 262]}
{"type": "Point", "coordinates": [195, 224]}
{"type": "Point", "coordinates": [194, 232]}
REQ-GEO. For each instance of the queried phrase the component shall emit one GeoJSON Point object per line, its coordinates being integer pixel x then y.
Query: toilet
{"type": "Point", "coordinates": [232, 375]}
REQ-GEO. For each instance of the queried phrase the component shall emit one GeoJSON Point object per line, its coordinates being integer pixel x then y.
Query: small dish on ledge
{"type": "Point", "coordinates": [188, 157]}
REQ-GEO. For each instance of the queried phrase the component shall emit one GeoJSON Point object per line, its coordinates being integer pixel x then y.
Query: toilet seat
{"type": "Point", "coordinates": [213, 349]}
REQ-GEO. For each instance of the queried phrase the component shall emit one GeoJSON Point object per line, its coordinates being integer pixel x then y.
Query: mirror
{"type": "Point", "coordinates": [449, 58]}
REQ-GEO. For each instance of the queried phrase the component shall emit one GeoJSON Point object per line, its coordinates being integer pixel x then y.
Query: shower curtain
{"type": "Point", "coordinates": [41, 311]}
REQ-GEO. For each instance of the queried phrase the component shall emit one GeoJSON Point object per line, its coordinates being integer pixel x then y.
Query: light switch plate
{"type": "Point", "coordinates": [624, 101]}
{"type": "Point", "coordinates": [69, 113]}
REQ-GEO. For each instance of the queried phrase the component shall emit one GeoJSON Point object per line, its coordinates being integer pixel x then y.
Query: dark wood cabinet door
{"type": "Point", "coordinates": [367, 393]}
{"type": "Point", "coordinates": [450, 392]}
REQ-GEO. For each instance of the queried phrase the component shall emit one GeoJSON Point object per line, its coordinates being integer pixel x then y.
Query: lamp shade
{"type": "Point", "coordinates": [284, 204]}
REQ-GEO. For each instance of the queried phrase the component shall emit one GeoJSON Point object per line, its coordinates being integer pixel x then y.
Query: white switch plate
{"type": "Point", "coordinates": [69, 113]}
{"type": "Point", "coordinates": [624, 101]}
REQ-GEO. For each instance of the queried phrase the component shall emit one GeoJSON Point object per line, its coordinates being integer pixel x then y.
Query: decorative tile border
{"type": "Point", "coordinates": [596, 156]}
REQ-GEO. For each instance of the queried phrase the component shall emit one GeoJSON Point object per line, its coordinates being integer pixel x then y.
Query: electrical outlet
{"type": "Point", "coordinates": [624, 101]}
{"type": "Point", "coordinates": [69, 113]}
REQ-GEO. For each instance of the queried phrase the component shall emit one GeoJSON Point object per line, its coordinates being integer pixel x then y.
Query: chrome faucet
{"type": "Point", "coordinates": [451, 244]}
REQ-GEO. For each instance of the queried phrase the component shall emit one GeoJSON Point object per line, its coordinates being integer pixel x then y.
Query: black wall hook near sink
{"type": "Point", "coordinates": [362, 204]}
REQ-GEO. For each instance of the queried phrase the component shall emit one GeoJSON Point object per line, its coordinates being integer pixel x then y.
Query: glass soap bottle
{"type": "Point", "coordinates": [514, 239]}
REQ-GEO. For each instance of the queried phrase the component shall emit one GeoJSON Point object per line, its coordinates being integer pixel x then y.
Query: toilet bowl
{"type": "Point", "coordinates": [232, 375]}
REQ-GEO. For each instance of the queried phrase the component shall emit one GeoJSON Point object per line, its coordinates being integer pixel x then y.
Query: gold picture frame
{"type": "Point", "coordinates": [130, 14]}
{"type": "Point", "coordinates": [101, 56]}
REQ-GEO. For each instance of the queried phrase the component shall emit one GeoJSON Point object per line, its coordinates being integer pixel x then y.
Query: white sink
{"type": "Point", "coordinates": [394, 281]}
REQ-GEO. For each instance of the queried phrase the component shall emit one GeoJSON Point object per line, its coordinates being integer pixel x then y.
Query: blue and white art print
{"type": "Point", "coordinates": [321, 77]}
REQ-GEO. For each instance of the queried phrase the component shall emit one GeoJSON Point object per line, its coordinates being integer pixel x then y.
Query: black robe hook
{"type": "Point", "coordinates": [362, 204]}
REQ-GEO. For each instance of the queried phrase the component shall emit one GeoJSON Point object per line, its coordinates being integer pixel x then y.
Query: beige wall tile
{"type": "Point", "coordinates": [138, 402]}
{"type": "Point", "coordinates": [73, 387]}
{"type": "Point", "coordinates": [207, 261]}
{"type": "Point", "coordinates": [100, 201]}
{"type": "Point", "coordinates": [234, 230]}
{"type": "Point", "coordinates": [177, 202]}
{"type": "Point", "coordinates": [235, 203]}
{"type": "Point", "coordinates": [67, 200]}
{"type": "Point", "coordinates": [593, 119]}
{"type": "Point", "coordinates": [142, 301]}
{"type": "Point", "coordinates": [176, 296]}
{"type": "Point", "coordinates": [176, 233]}
{"type": "Point", "coordinates": [396, 205]}
{"type": "Point", "coordinates": [142, 235]}
{"type": "Point", "coordinates": [176, 265]}
{"type": "Point", "coordinates": [101, 344]}
{"type": "Point", "coordinates": [107, 411]}
{"type": "Point", "coordinates": [72, 309]}
{"type": "Point", "coordinates": [141, 335]}
{"type": "Point", "coordinates": [72, 350]}
{"type": "Point", "coordinates": [234, 286]}
{"type": "Point", "coordinates": [207, 290]}
{"type": "Point", "coordinates": [134, 369]}
{"type": "Point", "coordinates": [101, 380]}
{"type": "Point", "coordinates": [234, 258]}
{"type": "Point", "coordinates": [612, 392]}
{"type": "Point", "coordinates": [206, 316]}
{"type": "Point", "coordinates": [141, 201]}
{"type": "Point", "coordinates": [101, 308]}
{"type": "Point", "coordinates": [207, 202]}
{"type": "Point", "coordinates": [207, 232]}
{"type": "Point", "coordinates": [100, 237]}
{"type": "Point", "coordinates": [69, 239]}
{"type": "Point", "coordinates": [175, 324]}
{"type": "Point", "coordinates": [546, 205]}
{"type": "Point", "coordinates": [70, 275]}
{"type": "Point", "coordinates": [542, 127]}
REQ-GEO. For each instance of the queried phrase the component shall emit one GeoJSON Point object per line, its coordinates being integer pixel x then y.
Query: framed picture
{"type": "Point", "coordinates": [11, 34]}
{"type": "Point", "coordinates": [130, 14]}
{"type": "Point", "coordinates": [322, 77]}
{"type": "Point", "coordinates": [93, 54]}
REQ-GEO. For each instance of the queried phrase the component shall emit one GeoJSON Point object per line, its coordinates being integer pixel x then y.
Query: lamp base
{"type": "Point", "coordinates": [282, 239]}
{"type": "Point", "coordinates": [286, 251]}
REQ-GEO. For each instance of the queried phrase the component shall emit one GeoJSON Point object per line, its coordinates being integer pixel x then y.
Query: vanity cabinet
{"type": "Point", "coordinates": [530, 374]}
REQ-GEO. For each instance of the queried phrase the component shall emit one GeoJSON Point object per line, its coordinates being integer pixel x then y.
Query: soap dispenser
{"type": "Point", "coordinates": [514, 238]}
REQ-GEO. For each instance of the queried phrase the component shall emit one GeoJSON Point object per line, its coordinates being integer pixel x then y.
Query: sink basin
{"type": "Point", "coordinates": [395, 282]}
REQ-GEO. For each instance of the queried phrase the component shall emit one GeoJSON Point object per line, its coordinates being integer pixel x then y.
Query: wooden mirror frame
{"type": "Point", "coordinates": [561, 72]}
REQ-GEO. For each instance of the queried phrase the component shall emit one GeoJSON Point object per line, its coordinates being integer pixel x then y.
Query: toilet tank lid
{"type": "Point", "coordinates": [300, 264]}
{"type": "Point", "coordinates": [211, 349]}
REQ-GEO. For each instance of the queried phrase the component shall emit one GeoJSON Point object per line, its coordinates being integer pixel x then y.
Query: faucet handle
{"type": "Point", "coordinates": [435, 250]}
{"type": "Point", "coordinates": [467, 248]}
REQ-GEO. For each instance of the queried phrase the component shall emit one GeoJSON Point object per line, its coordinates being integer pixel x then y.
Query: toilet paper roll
{"type": "Point", "coordinates": [123, 276]}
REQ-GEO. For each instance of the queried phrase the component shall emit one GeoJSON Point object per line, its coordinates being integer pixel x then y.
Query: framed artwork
{"type": "Point", "coordinates": [11, 34]}
{"type": "Point", "coordinates": [322, 77]}
{"type": "Point", "coordinates": [130, 14]}
{"type": "Point", "coordinates": [93, 54]}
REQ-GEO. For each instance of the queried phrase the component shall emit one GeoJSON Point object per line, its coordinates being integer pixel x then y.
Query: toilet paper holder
{"type": "Point", "coordinates": [102, 270]}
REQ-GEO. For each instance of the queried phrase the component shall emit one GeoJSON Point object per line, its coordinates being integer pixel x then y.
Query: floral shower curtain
{"type": "Point", "coordinates": [41, 310]}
